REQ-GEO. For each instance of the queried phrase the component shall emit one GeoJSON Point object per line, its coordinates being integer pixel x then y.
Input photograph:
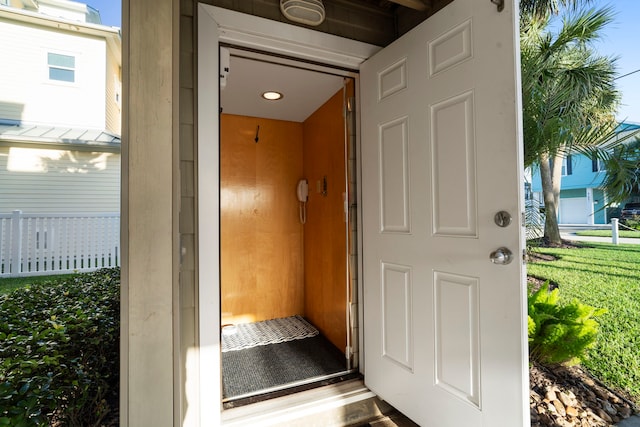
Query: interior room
{"type": "Point", "coordinates": [286, 191]}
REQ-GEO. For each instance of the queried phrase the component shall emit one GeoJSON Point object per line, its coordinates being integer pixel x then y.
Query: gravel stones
{"type": "Point", "coordinates": [567, 396]}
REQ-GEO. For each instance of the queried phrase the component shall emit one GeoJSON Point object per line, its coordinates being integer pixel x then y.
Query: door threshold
{"type": "Point", "coordinates": [289, 388]}
{"type": "Point", "coordinates": [346, 403]}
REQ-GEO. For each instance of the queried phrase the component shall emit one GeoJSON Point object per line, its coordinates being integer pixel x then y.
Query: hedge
{"type": "Point", "coordinates": [59, 352]}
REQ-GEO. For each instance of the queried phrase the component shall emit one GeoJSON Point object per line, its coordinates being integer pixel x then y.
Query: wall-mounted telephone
{"type": "Point", "coordinates": [303, 190]}
{"type": "Point", "coordinates": [303, 195]}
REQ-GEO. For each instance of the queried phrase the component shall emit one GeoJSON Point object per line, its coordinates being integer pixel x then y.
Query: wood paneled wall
{"type": "Point", "coordinates": [271, 267]}
{"type": "Point", "coordinates": [325, 235]}
{"type": "Point", "coordinates": [261, 234]}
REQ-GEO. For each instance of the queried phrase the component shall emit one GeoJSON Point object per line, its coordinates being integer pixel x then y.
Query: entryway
{"type": "Point", "coordinates": [287, 175]}
{"type": "Point", "coordinates": [442, 293]}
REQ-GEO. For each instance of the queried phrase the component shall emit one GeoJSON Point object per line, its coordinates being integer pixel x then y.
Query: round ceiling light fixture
{"type": "Point", "coordinates": [272, 95]}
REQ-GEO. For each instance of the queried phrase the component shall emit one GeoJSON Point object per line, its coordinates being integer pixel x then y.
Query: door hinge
{"type": "Point", "coordinates": [499, 3]}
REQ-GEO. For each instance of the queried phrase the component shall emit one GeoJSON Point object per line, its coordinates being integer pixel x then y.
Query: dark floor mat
{"type": "Point", "coordinates": [259, 368]}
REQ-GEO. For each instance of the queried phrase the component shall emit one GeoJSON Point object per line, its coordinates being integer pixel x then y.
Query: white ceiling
{"type": "Point", "coordinates": [304, 90]}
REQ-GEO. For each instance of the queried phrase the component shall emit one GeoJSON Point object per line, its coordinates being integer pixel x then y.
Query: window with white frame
{"type": "Point", "coordinates": [61, 67]}
{"type": "Point", "coordinates": [597, 165]}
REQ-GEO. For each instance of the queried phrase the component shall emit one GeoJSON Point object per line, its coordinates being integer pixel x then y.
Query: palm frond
{"type": "Point", "coordinates": [541, 8]}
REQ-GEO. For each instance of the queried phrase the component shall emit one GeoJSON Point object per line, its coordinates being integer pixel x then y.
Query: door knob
{"type": "Point", "coordinates": [501, 256]}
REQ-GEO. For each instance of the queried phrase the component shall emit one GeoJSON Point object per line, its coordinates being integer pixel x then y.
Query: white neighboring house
{"type": "Point", "coordinates": [60, 110]}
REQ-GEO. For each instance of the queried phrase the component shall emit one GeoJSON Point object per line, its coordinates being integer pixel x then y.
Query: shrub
{"type": "Point", "coordinates": [633, 222]}
{"type": "Point", "coordinates": [559, 333]}
{"type": "Point", "coordinates": [59, 352]}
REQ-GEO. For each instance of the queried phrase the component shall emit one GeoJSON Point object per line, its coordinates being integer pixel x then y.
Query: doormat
{"type": "Point", "coordinates": [253, 370]}
{"type": "Point", "coordinates": [249, 335]}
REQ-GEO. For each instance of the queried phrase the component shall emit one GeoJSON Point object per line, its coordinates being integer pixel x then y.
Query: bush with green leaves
{"type": "Point", "coordinates": [59, 351]}
{"type": "Point", "coordinates": [559, 333]}
{"type": "Point", "coordinates": [633, 222]}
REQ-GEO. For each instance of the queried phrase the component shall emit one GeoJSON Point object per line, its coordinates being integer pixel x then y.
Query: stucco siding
{"type": "Point", "coordinates": [36, 180]}
{"type": "Point", "coordinates": [28, 95]}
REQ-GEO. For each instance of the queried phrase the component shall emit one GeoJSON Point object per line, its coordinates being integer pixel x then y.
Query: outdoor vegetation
{"type": "Point", "coordinates": [569, 106]}
{"type": "Point", "coordinates": [559, 333]}
{"type": "Point", "coordinates": [10, 283]}
{"type": "Point", "coordinates": [633, 224]}
{"type": "Point", "coordinates": [633, 234]}
{"type": "Point", "coordinates": [623, 173]}
{"type": "Point", "coordinates": [606, 277]}
{"type": "Point", "coordinates": [568, 94]}
{"type": "Point", "coordinates": [59, 353]}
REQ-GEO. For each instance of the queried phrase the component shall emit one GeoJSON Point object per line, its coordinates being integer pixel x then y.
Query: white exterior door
{"type": "Point", "coordinates": [444, 326]}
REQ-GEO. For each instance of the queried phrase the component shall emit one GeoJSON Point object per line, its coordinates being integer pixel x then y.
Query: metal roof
{"type": "Point", "coordinates": [44, 134]}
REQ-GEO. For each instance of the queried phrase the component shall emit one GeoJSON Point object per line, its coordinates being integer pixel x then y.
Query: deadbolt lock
{"type": "Point", "coordinates": [502, 219]}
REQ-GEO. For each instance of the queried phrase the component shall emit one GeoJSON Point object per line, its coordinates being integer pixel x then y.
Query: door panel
{"type": "Point", "coordinates": [397, 327]}
{"type": "Point", "coordinates": [453, 169]}
{"type": "Point", "coordinates": [394, 177]}
{"type": "Point", "coordinates": [457, 324]}
{"type": "Point", "coordinates": [444, 336]}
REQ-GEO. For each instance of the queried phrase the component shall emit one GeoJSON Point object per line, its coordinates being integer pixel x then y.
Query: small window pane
{"type": "Point", "coordinates": [62, 60]}
{"type": "Point", "coordinates": [62, 75]}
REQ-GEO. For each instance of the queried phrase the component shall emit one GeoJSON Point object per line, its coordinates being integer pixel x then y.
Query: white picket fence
{"type": "Point", "coordinates": [38, 244]}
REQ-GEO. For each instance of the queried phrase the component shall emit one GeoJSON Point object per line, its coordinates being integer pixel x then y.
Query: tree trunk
{"type": "Point", "coordinates": [556, 177]}
{"type": "Point", "coordinates": [551, 230]}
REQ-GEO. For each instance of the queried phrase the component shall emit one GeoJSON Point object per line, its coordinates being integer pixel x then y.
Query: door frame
{"type": "Point", "coordinates": [242, 30]}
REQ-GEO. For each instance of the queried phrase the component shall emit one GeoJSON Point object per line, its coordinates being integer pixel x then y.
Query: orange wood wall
{"type": "Point", "coordinates": [325, 233]}
{"type": "Point", "coordinates": [261, 236]}
{"type": "Point", "coordinates": [272, 266]}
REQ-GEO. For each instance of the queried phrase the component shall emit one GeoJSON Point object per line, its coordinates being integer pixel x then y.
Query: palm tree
{"type": "Point", "coordinates": [623, 171]}
{"type": "Point", "coordinates": [569, 96]}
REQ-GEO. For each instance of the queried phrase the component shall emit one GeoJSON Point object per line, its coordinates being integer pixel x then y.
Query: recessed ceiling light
{"type": "Point", "coordinates": [272, 95]}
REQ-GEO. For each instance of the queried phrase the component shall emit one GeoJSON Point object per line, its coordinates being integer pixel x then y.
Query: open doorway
{"type": "Point", "coordinates": [287, 180]}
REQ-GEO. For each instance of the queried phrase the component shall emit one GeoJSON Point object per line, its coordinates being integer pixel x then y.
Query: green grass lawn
{"type": "Point", "coordinates": [604, 276]}
{"type": "Point", "coordinates": [8, 284]}
{"type": "Point", "coordinates": [607, 233]}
